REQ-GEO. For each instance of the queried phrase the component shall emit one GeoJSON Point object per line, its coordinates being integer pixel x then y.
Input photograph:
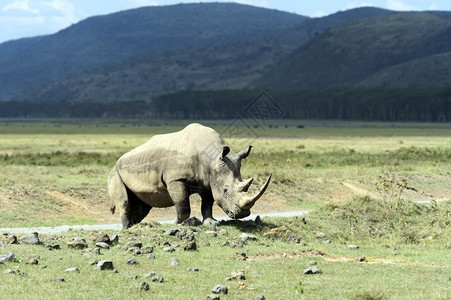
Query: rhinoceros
{"type": "Point", "coordinates": [168, 168]}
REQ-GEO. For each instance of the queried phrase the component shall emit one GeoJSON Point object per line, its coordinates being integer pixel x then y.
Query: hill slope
{"type": "Point", "coordinates": [350, 54]}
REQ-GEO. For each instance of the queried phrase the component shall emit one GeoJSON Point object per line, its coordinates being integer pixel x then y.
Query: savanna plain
{"type": "Point", "coordinates": [379, 226]}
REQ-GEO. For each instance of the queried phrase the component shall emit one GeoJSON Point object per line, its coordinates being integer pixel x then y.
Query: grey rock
{"type": "Point", "coordinates": [77, 243]}
{"type": "Point", "coordinates": [59, 279]}
{"type": "Point", "coordinates": [327, 242]}
{"type": "Point", "coordinates": [102, 238]}
{"type": "Point", "coordinates": [32, 261]}
{"type": "Point", "coordinates": [237, 244]}
{"type": "Point", "coordinates": [220, 289]}
{"type": "Point", "coordinates": [211, 233]}
{"type": "Point", "coordinates": [143, 286]}
{"type": "Point", "coordinates": [213, 296]}
{"type": "Point", "coordinates": [105, 265]}
{"type": "Point", "coordinates": [193, 221]}
{"type": "Point", "coordinates": [158, 278]}
{"type": "Point", "coordinates": [150, 274]}
{"type": "Point", "coordinates": [95, 251]}
{"type": "Point", "coordinates": [190, 246]}
{"type": "Point", "coordinates": [193, 269]}
{"type": "Point", "coordinates": [169, 249]}
{"type": "Point", "coordinates": [11, 271]}
{"type": "Point", "coordinates": [52, 246]}
{"type": "Point", "coordinates": [103, 245]}
{"type": "Point", "coordinates": [294, 240]}
{"type": "Point", "coordinates": [70, 270]}
{"type": "Point", "coordinates": [132, 261]}
{"type": "Point", "coordinates": [174, 261]}
{"type": "Point", "coordinates": [223, 232]}
{"type": "Point", "coordinates": [247, 237]}
{"type": "Point", "coordinates": [31, 239]}
{"type": "Point", "coordinates": [147, 249]}
{"type": "Point", "coordinates": [132, 244]}
{"type": "Point", "coordinates": [260, 297]}
{"type": "Point", "coordinates": [240, 275]}
{"type": "Point", "coordinates": [7, 257]}
{"type": "Point", "coordinates": [360, 258]}
{"type": "Point", "coordinates": [354, 247]}
{"type": "Point", "coordinates": [320, 235]}
{"type": "Point", "coordinates": [134, 277]}
{"type": "Point", "coordinates": [151, 256]}
{"type": "Point", "coordinates": [313, 270]}
{"type": "Point", "coordinates": [114, 240]}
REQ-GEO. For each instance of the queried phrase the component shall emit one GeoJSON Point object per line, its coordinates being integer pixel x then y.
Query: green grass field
{"type": "Point", "coordinates": [360, 179]}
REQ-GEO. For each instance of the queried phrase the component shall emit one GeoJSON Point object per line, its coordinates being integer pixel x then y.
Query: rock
{"type": "Point", "coordinates": [12, 240]}
{"type": "Point", "coordinates": [134, 277]}
{"type": "Point", "coordinates": [169, 249]}
{"type": "Point", "coordinates": [94, 262]}
{"type": "Point", "coordinates": [95, 251]}
{"type": "Point", "coordinates": [360, 258]}
{"type": "Point", "coordinates": [213, 296]}
{"type": "Point", "coordinates": [174, 261]}
{"type": "Point", "coordinates": [185, 235]}
{"type": "Point", "coordinates": [77, 243]}
{"type": "Point", "coordinates": [193, 221]}
{"type": "Point", "coordinates": [70, 270]}
{"type": "Point", "coordinates": [211, 233]}
{"type": "Point", "coordinates": [11, 271]}
{"type": "Point", "coordinates": [247, 237]}
{"type": "Point", "coordinates": [151, 256]}
{"type": "Point", "coordinates": [239, 275]}
{"type": "Point", "coordinates": [59, 279]}
{"type": "Point", "coordinates": [294, 240]}
{"type": "Point", "coordinates": [158, 278]}
{"type": "Point", "coordinates": [143, 286]}
{"type": "Point", "coordinates": [220, 289]}
{"type": "Point", "coordinates": [241, 256]}
{"type": "Point", "coordinates": [31, 239]}
{"type": "Point", "coordinates": [103, 245]}
{"type": "Point", "coordinates": [105, 265]}
{"type": "Point", "coordinates": [223, 232]}
{"type": "Point", "coordinates": [327, 242]}
{"type": "Point", "coordinates": [313, 270]}
{"type": "Point", "coordinates": [32, 261]}
{"type": "Point", "coordinates": [132, 261]}
{"type": "Point", "coordinates": [7, 257]}
{"type": "Point", "coordinates": [150, 274]}
{"type": "Point", "coordinates": [237, 244]}
{"type": "Point", "coordinates": [103, 238]}
{"type": "Point", "coordinates": [190, 246]}
{"type": "Point", "coordinates": [192, 270]}
{"type": "Point", "coordinates": [353, 247]}
{"type": "Point", "coordinates": [260, 297]}
{"type": "Point", "coordinates": [320, 235]}
{"type": "Point", "coordinates": [114, 240]}
{"type": "Point", "coordinates": [52, 246]}
{"type": "Point", "coordinates": [147, 249]}
{"type": "Point", "coordinates": [132, 244]}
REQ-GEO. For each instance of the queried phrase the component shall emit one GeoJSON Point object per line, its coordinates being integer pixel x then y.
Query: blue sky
{"type": "Point", "coordinates": [25, 18]}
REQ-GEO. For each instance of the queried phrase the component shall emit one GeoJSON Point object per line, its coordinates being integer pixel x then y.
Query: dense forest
{"type": "Point", "coordinates": [365, 104]}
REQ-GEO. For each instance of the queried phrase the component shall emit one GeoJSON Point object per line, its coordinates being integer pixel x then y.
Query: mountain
{"type": "Point", "coordinates": [404, 49]}
{"type": "Point", "coordinates": [102, 40]}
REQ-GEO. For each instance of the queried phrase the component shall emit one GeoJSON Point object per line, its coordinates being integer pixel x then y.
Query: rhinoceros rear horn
{"type": "Point", "coordinates": [249, 200]}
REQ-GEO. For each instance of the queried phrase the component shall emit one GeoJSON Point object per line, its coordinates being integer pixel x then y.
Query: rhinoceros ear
{"type": "Point", "coordinates": [245, 153]}
{"type": "Point", "coordinates": [225, 151]}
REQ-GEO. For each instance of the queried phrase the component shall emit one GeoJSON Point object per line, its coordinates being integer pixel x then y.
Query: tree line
{"type": "Point", "coordinates": [365, 104]}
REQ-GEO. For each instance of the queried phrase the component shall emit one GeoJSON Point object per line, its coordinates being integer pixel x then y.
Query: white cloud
{"type": "Point", "coordinates": [319, 14]}
{"type": "Point", "coordinates": [352, 5]}
{"type": "Point", "coordinates": [21, 5]}
{"type": "Point", "coordinates": [128, 4]}
{"type": "Point", "coordinates": [399, 5]}
{"type": "Point", "coordinates": [433, 7]}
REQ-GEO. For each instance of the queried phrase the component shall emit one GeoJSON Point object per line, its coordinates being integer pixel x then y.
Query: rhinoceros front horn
{"type": "Point", "coordinates": [249, 200]}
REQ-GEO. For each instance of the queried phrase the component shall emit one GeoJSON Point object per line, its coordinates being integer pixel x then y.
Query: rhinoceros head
{"type": "Point", "coordinates": [229, 190]}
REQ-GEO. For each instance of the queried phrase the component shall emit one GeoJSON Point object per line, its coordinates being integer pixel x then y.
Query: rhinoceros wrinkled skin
{"type": "Point", "coordinates": [168, 168]}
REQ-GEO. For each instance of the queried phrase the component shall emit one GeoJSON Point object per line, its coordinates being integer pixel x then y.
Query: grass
{"type": "Point", "coordinates": [360, 179]}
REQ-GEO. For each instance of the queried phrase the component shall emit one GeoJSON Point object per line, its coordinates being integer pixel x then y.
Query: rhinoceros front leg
{"type": "Point", "coordinates": [207, 208]}
{"type": "Point", "coordinates": [180, 196]}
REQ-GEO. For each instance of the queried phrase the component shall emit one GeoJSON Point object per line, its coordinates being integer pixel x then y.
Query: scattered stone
{"type": "Point", "coordinates": [95, 251]}
{"type": "Point", "coordinates": [193, 221]}
{"type": "Point", "coordinates": [52, 246]}
{"type": "Point", "coordinates": [71, 270]}
{"type": "Point", "coordinates": [59, 280]}
{"type": "Point", "coordinates": [175, 261]}
{"type": "Point", "coordinates": [223, 232]}
{"type": "Point", "coordinates": [147, 249]}
{"type": "Point", "coordinates": [132, 261]}
{"type": "Point", "coordinates": [151, 256]}
{"type": "Point", "coordinates": [105, 265]}
{"type": "Point", "coordinates": [313, 270]}
{"type": "Point", "coordinates": [102, 238]}
{"type": "Point", "coordinates": [213, 296]}
{"type": "Point", "coordinates": [134, 277]}
{"type": "Point", "coordinates": [190, 246]}
{"type": "Point", "coordinates": [237, 244]}
{"type": "Point", "coordinates": [360, 258]}
{"type": "Point", "coordinates": [31, 239]}
{"type": "Point", "coordinates": [7, 257]}
{"type": "Point", "coordinates": [239, 275]}
{"type": "Point", "coordinates": [220, 289]}
{"type": "Point", "coordinates": [260, 297]}
{"type": "Point", "coordinates": [313, 263]}
{"type": "Point", "coordinates": [294, 240]}
{"type": "Point", "coordinates": [114, 240]}
{"type": "Point", "coordinates": [150, 274]}
{"type": "Point", "coordinates": [77, 243]}
{"type": "Point", "coordinates": [12, 240]}
{"type": "Point", "coordinates": [32, 261]}
{"type": "Point", "coordinates": [226, 243]}
{"type": "Point", "coordinates": [241, 256]}
{"type": "Point", "coordinates": [158, 278]}
{"type": "Point", "coordinates": [103, 245]}
{"type": "Point", "coordinates": [169, 249]}
{"type": "Point", "coordinates": [211, 233]}
{"type": "Point", "coordinates": [327, 242]}
{"type": "Point", "coordinates": [193, 269]}
{"type": "Point", "coordinates": [143, 286]}
{"type": "Point", "coordinates": [320, 235]}
{"type": "Point", "coordinates": [132, 244]}
{"type": "Point", "coordinates": [247, 237]}
{"type": "Point", "coordinates": [353, 247]}
{"type": "Point", "coordinates": [11, 271]}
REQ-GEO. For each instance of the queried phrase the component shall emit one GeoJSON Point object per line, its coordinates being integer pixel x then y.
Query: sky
{"type": "Point", "coordinates": [28, 18]}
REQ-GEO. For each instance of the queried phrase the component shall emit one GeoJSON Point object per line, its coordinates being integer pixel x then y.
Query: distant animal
{"type": "Point", "coordinates": [168, 168]}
